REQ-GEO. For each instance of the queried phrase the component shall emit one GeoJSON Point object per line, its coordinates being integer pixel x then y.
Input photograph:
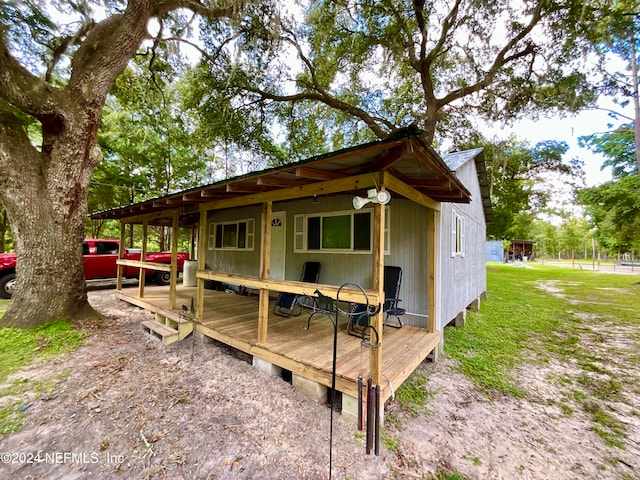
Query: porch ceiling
{"type": "Point", "coordinates": [405, 156]}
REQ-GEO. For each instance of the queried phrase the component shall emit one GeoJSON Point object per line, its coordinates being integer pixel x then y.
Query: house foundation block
{"type": "Point", "coordinates": [267, 367]}
{"type": "Point", "coordinates": [315, 390]}
{"type": "Point", "coordinates": [349, 408]}
{"type": "Point", "coordinates": [475, 305]}
{"type": "Point", "coordinates": [460, 319]}
{"type": "Point", "coordinates": [436, 352]}
{"type": "Point", "coordinates": [202, 338]}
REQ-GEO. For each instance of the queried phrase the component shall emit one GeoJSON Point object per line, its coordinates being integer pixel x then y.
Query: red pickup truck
{"type": "Point", "coordinates": [100, 257]}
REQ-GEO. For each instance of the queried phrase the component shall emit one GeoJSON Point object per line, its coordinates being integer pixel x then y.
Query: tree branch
{"type": "Point", "coordinates": [16, 147]}
{"type": "Point", "coordinates": [500, 61]}
{"type": "Point", "coordinates": [107, 49]}
{"type": "Point", "coordinates": [614, 112]}
{"type": "Point", "coordinates": [448, 23]}
{"type": "Point", "coordinates": [21, 88]}
{"type": "Point", "coordinates": [321, 96]}
{"type": "Point", "coordinates": [65, 43]}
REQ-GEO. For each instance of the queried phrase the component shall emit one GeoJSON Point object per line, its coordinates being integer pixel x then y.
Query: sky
{"type": "Point", "coordinates": [570, 129]}
{"type": "Point", "coordinates": [567, 129]}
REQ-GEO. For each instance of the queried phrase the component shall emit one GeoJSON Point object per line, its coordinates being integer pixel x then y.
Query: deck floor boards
{"type": "Point", "coordinates": [234, 320]}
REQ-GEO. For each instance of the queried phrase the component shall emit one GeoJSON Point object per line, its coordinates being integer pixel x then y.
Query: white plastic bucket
{"type": "Point", "coordinates": [189, 273]}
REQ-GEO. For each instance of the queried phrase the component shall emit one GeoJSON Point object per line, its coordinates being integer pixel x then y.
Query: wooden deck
{"type": "Point", "coordinates": [233, 320]}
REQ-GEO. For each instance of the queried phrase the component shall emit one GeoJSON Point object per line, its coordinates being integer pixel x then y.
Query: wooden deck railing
{"type": "Point", "coordinates": [347, 294]}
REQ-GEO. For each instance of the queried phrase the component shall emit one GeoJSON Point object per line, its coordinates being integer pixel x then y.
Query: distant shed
{"type": "Point", "coordinates": [519, 250]}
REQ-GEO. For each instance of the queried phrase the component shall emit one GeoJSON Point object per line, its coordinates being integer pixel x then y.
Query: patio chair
{"type": "Point", "coordinates": [359, 318]}
{"type": "Point", "coordinates": [289, 304]}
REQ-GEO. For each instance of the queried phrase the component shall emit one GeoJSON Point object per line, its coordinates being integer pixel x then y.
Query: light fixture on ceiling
{"type": "Point", "coordinates": [373, 196]}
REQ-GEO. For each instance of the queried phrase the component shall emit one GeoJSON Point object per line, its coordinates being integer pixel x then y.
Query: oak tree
{"type": "Point", "coordinates": [351, 71]}
{"type": "Point", "coordinates": [57, 75]}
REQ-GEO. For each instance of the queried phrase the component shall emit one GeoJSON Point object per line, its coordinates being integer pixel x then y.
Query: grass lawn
{"type": "Point", "coordinates": [540, 314]}
{"type": "Point", "coordinates": [20, 347]}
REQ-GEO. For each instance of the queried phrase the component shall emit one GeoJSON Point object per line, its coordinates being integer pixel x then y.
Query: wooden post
{"type": "Point", "coordinates": [120, 268]}
{"type": "Point", "coordinates": [202, 258]}
{"type": "Point", "coordinates": [174, 261]}
{"type": "Point", "coordinates": [143, 256]}
{"type": "Point", "coordinates": [192, 249]}
{"type": "Point", "coordinates": [265, 271]}
{"type": "Point", "coordinates": [432, 235]}
{"type": "Point", "coordinates": [377, 284]}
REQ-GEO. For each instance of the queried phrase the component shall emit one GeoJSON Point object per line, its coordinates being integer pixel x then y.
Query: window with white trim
{"type": "Point", "coordinates": [340, 232]}
{"type": "Point", "coordinates": [457, 235]}
{"type": "Point", "coordinates": [238, 235]}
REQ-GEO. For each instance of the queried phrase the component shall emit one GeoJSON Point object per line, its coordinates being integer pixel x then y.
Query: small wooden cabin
{"type": "Point", "coordinates": [256, 231]}
{"type": "Point", "coordinates": [463, 236]}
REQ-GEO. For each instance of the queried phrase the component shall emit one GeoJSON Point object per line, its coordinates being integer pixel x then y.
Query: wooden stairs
{"type": "Point", "coordinates": [168, 329]}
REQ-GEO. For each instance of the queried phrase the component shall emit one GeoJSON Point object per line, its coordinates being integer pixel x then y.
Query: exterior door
{"type": "Point", "coordinates": [278, 244]}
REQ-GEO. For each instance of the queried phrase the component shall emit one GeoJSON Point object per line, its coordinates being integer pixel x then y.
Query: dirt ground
{"type": "Point", "coordinates": [125, 407]}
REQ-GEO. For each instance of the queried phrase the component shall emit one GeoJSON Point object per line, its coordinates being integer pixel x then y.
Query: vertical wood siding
{"type": "Point", "coordinates": [235, 261]}
{"type": "Point", "coordinates": [462, 279]}
{"type": "Point", "coordinates": [407, 249]}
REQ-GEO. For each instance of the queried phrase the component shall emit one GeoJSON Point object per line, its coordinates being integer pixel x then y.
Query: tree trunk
{"type": "Point", "coordinates": [3, 229]}
{"type": "Point", "coordinates": [44, 191]}
{"type": "Point", "coordinates": [48, 212]}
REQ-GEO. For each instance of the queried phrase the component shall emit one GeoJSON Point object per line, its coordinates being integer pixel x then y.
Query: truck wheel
{"type": "Point", "coordinates": [7, 285]}
{"type": "Point", "coordinates": [163, 278]}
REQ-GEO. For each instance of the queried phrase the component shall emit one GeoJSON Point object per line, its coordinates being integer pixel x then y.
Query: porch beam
{"type": "Point", "coordinates": [145, 265]}
{"type": "Point", "coordinates": [202, 253]}
{"type": "Point", "coordinates": [436, 183]}
{"type": "Point", "coordinates": [290, 286]}
{"type": "Point", "coordinates": [192, 197]}
{"type": "Point", "coordinates": [356, 182]}
{"type": "Point", "coordinates": [265, 271]}
{"type": "Point", "coordinates": [174, 261]}
{"type": "Point", "coordinates": [244, 188]}
{"type": "Point", "coordinates": [375, 355]}
{"type": "Point", "coordinates": [192, 246]}
{"type": "Point", "coordinates": [432, 235]}
{"type": "Point", "coordinates": [150, 216]}
{"type": "Point", "coordinates": [389, 158]}
{"type": "Point", "coordinates": [120, 268]}
{"type": "Point", "coordinates": [212, 193]}
{"type": "Point", "coordinates": [314, 173]}
{"type": "Point", "coordinates": [143, 257]}
{"type": "Point", "coordinates": [392, 183]}
{"type": "Point", "coordinates": [275, 181]}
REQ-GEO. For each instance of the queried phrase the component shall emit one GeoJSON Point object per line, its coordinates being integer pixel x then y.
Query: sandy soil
{"type": "Point", "coordinates": [123, 406]}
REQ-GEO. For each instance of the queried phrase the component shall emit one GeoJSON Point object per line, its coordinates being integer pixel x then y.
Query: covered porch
{"type": "Point", "coordinates": [233, 320]}
{"type": "Point", "coordinates": [233, 222]}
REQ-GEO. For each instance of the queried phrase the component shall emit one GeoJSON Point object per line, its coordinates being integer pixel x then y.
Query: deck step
{"type": "Point", "coordinates": [179, 323]}
{"type": "Point", "coordinates": [167, 334]}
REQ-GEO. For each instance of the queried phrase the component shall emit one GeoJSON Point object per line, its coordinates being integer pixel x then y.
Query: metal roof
{"type": "Point", "coordinates": [455, 160]}
{"type": "Point", "coordinates": [405, 155]}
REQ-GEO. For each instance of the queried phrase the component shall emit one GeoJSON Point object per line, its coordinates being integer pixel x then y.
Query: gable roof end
{"type": "Point", "coordinates": [456, 160]}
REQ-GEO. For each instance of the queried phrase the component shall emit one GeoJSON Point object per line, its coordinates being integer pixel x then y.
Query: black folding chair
{"type": "Point", "coordinates": [360, 314]}
{"type": "Point", "coordinates": [392, 283]}
{"type": "Point", "coordinates": [289, 304]}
